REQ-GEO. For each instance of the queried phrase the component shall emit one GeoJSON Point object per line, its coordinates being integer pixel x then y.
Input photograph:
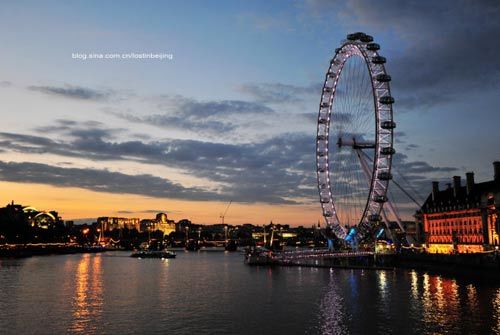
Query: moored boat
{"type": "Point", "coordinates": [153, 254]}
{"type": "Point", "coordinates": [258, 256]}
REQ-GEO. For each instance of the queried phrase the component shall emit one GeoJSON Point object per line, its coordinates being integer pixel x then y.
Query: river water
{"type": "Point", "coordinates": [215, 293]}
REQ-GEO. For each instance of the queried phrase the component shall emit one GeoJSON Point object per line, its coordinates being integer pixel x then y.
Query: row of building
{"type": "Point", "coordinates": [462, 218]}
{"type": "Point", "coordinates": [161, 222]}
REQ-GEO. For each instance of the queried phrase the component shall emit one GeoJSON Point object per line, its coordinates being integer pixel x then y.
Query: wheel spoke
{"type": "Point", "coordinates": [350, 190]}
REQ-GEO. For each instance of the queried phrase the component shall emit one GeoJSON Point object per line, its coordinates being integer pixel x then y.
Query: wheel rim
{"type": "Point", "coordinates": [343, 109]}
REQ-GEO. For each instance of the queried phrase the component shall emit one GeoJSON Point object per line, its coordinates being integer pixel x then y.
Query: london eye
{"type": "Point", "coordinates": [354, 144]}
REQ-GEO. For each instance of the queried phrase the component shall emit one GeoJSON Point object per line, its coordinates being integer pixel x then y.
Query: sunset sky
{"type": "Point", "coordinates": [232, 115]}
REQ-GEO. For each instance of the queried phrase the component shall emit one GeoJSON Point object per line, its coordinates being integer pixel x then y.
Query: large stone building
{"type": "Point", "coordinates": [161, 222]}
{"type": "Point", "coordinates": [463, 218]}
{"type": "Point", "coordinates": [108, 223]}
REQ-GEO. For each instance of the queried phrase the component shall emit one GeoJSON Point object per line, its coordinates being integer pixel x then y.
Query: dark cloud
{"type": "Point", "coordinates": [203, 117]}
{"type": "Point", "coordinates": [200, 125]}
{"type": "Point", "coordinates": [187, 106]}
{"type": "Point", "coordinates": [73, 92]}
{"type": "Point", "coordinates": [99, 180]}
{"type": "Point", "coordinates": [415, 178]}
{"type": "Point", "coordinates": [445, 46]}
{"type": "Point", "coordinates": [74, 129]}
{"type": "Point", "coordinates": [410, 147]}
{"type": "Point", "coordinates": [269, 172]}
{"type": "Point", "coordinates": [279, 170]}
{"type": "Point", "coordinates": [280, 93]}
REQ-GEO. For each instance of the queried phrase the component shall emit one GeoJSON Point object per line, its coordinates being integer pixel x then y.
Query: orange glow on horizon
{"type": "Point", "coordinates": [75, 203]}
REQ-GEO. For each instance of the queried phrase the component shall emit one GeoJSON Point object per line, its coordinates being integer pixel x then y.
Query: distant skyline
{"type": "Point", "coordinates": [232, 115]}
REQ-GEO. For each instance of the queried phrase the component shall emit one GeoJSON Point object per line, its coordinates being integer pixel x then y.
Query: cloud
{"type": "Point", "coordinates": [278, 170]}
{"type": "Point", "coordinates": [187, 106]}
{"type": "Point", "coordinates": [75, 129]}
{"type": "Point", "coordinates": [5, 83]}
{"type": "Point", "coordinates": [446, 46]}
{"type": "Point", "coordinates": [99, 180]}
{"type": "Point", "coordinates": [410, 147]}
{"type": "Point", "coordinates": [280, 93]}
{"type": "Point", "coordinates": [200, 125]}
{"type": "Point", "coordinates": [203, 117]}
{"type": "Point", "coordinates": [271, 171]}
{"type": "Point", "coordinates": [73, 92]}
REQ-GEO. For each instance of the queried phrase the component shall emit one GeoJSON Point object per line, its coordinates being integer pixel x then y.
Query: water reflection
{"type": "Point", "coordinates": [414, 284]}
{"type": "Point", "coordinates": [198, 293]}
{"type": "Point", "coordinates": [428, 304]}
{"type": "Point", "coordinates": [496, 309]}
{"type": "Point", "coordinates": [440, 302]}
{"type": "Point", "coordinates": [88, 298]}
{"type": "Point", "coordinates": [332, 315]}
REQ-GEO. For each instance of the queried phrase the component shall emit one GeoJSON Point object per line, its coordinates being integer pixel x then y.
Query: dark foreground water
{"type": "Point", "coordinates": [215, 293]}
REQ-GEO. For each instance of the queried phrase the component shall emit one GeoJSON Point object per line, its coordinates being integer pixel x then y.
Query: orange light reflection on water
{"type": "Point", "coordinates": [87, 301]}
{"type": "Point", "coordinates": [440, 301]}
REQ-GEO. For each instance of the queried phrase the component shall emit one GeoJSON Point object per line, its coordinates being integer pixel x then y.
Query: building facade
{"type": "Point", "coordinates": [107, 223]}
{"type": "Point", "coordinates": [463, 219]}
{"type": "Point", "coordinates": [161, 222]}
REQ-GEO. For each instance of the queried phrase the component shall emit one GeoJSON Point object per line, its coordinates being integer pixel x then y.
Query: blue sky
{"type": "Point", "coordinates": [241, 93]}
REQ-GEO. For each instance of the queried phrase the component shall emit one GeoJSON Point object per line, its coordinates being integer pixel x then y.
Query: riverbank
{"type": "Point", "coordinates": [29, 250]}
{"type": "Point", "coordinates": [478, 265]}
{"type": "Point", "coordinates": [485, 265]}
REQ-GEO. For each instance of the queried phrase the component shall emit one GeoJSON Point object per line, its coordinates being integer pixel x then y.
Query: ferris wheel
{"type": "Point", "coordinates": [354, 144]}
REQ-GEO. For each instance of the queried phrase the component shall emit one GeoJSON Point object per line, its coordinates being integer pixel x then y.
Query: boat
{"type": "Point", "coordinates": [258, 256]}
{"type": "Point", "coordinates": [153, 254]}
{"type": "Point", "coordinates": [230, 245]}
{"type": "Point", "coordinates": [192, 245]}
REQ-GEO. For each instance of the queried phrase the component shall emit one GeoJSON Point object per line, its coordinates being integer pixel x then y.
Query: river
{"type": "Point", "coordinates": [215, 293]}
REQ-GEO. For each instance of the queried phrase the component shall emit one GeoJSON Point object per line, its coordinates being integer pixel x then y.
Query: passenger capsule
{"type": "Point", "coordinates": [366, 38]}
{"type": "Point", "coordinates": [378, 60]}
{"type": "Point", "coordinates": [325, 105]}
{"type": "Point", "coordinates": [388, 151]}
{"type": "Point", "coordinates": [352, 37]}
{"type": "Point", "coordinates": [386, 100]}
{"type": "Point", "coordinates": [321, 153]}
{"type": "Point", "coordinates": [374, 218]}
{"type": "Point", "coordinates": [384, 176]}
{"type": "Point", "coordinates": [327, 89]}
{"type": "Point", "coordinates": [388, 125]}
{"type": "Point", "coordinates": [373, 46]}
{"type": "Point", "coordinates": [321, 169]}
{"type": "Point", "coordinates": [380, 198]}
{"type": "Point", "coordinates": [383, 78]}
{"type": "Point", "coordinates": [325, 200]}
{"type": "Point", "coordinates": [328, 214]}
{"type": "Point", "coordinates": [321, 137]}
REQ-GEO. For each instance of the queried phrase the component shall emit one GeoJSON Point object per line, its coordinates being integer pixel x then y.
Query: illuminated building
{"type": "Point", "coordinates": [463, 218]}
{"type": "Point", "coordinates": [42, 219]}
{"type": "Point", "coordinates": [164, 224]}
{"type": "Point", "coordinates": [109, 223]}
{"type": "Point", "coordinates": [161, 222]}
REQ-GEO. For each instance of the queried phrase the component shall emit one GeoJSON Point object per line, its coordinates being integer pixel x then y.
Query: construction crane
{"type": "Point", "coordinates": [222, 216]}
